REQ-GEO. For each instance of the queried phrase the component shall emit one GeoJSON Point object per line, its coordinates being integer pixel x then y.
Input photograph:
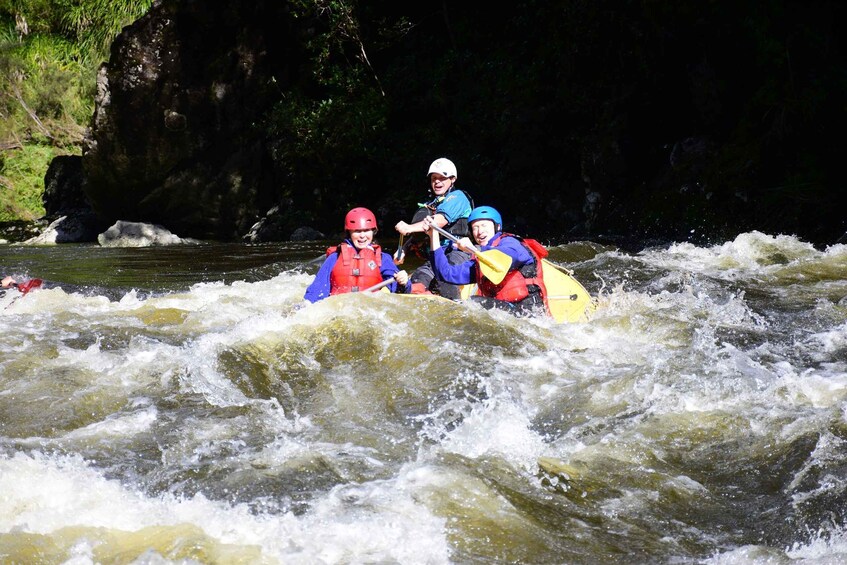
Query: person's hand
{"type": "Point", "coordinates": [427, 223]}
{"type": "Point", "coordinates": [465, 245]}
{"type": "Point", "coordinates": [403, 228]}
{"type": "Point", "coordinates": [402, 277]}
{"type": "Point", "coordinates": [7, 282]}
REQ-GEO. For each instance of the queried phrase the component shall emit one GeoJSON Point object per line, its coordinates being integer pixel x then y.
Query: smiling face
{"type": "Point", "coordinates": [361, 238]}
{"type": "Point", "coordinates": [483, 231]}
{"type": "Point", "coordinates": [440, 184]}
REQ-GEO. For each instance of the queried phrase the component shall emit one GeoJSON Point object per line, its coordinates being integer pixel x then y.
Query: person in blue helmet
{"type": "Point", "coordinates": [449, 210]}
{"type": "Point", "coordinates": [522, 290]}
{"type": "Point", "coordinates": [357, 263]}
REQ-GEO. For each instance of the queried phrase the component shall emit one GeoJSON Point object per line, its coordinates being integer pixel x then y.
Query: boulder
{"type": "Point", "coordinates": [137, 234]}
{"type": "Point", "coordinates": [77, 226]}
{"type": "Point", "coordinates": [63, 186]}
{"type": "Point", "coordinates": [305, 233]}
{"type": "Point", "coordinates": [276, 226]}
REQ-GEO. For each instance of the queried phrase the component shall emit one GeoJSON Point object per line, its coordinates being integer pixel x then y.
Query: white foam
{"type": "Point", "coordinates": [374, 522]}
{"type": "Point", "coordinates": [499, 428]}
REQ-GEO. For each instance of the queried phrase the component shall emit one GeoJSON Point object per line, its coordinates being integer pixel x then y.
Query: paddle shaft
{"type": "Point", "coordinates": [449, 235]}
{"type": "Point", "coordinates": [378, 286]}
{"type": "Point", "coordinates": [494, 264]}
{"type": "Point", "coordinates": [398, 255]}
{"type": "Point", "coordinates": [476, 251]}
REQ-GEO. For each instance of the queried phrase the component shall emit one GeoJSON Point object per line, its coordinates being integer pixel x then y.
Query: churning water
{"type": "Point", "coordinates": [179, 405]}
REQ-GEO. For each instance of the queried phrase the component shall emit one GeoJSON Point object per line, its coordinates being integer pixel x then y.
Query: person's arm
{"type": "Point", "coordinates": [465, 244]}
{"type": "Point", "coordinates": [463, 273]}
{"type": "Point", "coordinates": [8, 282]}
{"type": "Point", "coordinates": [513, 248]}
{"type": "Point", "coordinates": [389, 270]}
{"type": "Point", "coordinates": [320, 287]}
{"type": "Point", "coordinates": [454, 207]}
{"type": "Point", "coordinates": [419, 227]}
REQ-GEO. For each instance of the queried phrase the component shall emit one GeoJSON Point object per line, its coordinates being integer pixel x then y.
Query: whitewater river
{"type": "Point", "coordinates": [178, 405]}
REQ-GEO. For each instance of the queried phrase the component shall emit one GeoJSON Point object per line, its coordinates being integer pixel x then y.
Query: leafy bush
{"type": "Point", "coordinates": [22, 180]}
{"type": "Point", "coordinates": [49, 54]}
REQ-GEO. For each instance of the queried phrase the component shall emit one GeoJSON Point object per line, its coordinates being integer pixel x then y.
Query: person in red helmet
{"type": "Point", "coordinates": [357, 262]}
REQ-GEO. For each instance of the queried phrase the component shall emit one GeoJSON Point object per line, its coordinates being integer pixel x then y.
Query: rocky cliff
{"type": "Point", "coordinates": [175, 139]}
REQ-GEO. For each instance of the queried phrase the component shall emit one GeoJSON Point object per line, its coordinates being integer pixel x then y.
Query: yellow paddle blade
{"type": "Point", "coordinates": [566, 297]}
{"type": "Point", "coordinates": [494, 264]}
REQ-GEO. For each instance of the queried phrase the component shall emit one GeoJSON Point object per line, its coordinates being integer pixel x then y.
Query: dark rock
{"type": "Point", "coordinates": [306, 234]}
{"type": "Point", "coordinates": [270, 228]}
{"type": "Point", "coordinates": [276, 225]}
{"type": "Point", "coordinates": [76, 226]}
{"type": "Point", "coordinates": [659, 120]}
{"type": "Point", "coordinates": [71, 217]}
{"type": "Point", "coordinates": [63, 186]}
{"type": "Point", "coordinates": [173, 140]}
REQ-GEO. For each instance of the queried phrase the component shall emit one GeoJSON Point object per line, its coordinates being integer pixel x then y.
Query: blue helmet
{"type": "Point", "coordinates": [486, 213]}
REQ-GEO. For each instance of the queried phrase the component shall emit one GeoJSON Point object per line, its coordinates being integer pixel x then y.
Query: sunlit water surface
{"type": "Point", "coordinates": [179, 405]}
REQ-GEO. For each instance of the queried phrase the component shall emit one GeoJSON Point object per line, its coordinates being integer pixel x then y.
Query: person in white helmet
{"type": "Point", "coordinates": [449, 210]}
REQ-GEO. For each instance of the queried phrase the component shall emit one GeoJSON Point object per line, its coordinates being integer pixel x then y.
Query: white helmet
{"type": "Point", "coordinates": [444, 167]}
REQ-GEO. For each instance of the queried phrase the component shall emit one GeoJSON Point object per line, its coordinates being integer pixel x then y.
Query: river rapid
{"type": "Point", "coordinates": [179, 405]}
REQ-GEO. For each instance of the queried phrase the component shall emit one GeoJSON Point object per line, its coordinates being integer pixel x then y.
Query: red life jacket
{"type": "Point", "coordinates": [515, 285]}
{"type": "Point", "coordinates": [355, 269]}
{"type": "Point", "coordinates": [28, 285]}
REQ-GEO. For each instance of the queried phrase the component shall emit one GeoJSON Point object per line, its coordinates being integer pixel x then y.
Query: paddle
{"type": "Point", "coordinates": [378, 286]}
{"type": "Point", "coordinates": [400, 253]}
{"type": "Point", "coordinates": [494, 263]}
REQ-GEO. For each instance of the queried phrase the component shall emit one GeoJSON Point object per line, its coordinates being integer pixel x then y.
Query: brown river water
{"type": "Point", "coordinates": [181, 405]}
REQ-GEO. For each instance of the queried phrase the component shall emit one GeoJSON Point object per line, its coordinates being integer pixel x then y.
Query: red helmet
{"type": "Point", "coordinates": [360, 219]}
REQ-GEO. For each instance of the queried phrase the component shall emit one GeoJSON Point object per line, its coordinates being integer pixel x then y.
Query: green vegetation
{"type": "Point", "coordinates": [661, 119]}
{"type": "Point", "coordinates": [49, 54]}
{"type": "Point", "coordinates": [336, 120]}
{"type": "Point", "coordinates": [23, 181]}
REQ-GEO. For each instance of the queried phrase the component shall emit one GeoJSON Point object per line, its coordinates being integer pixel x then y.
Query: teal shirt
{"type": "Point", "coordinates": [454, 206]}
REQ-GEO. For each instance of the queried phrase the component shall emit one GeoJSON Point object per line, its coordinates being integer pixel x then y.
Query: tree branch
{"type": "Point", "coordinates": [33, 115]}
